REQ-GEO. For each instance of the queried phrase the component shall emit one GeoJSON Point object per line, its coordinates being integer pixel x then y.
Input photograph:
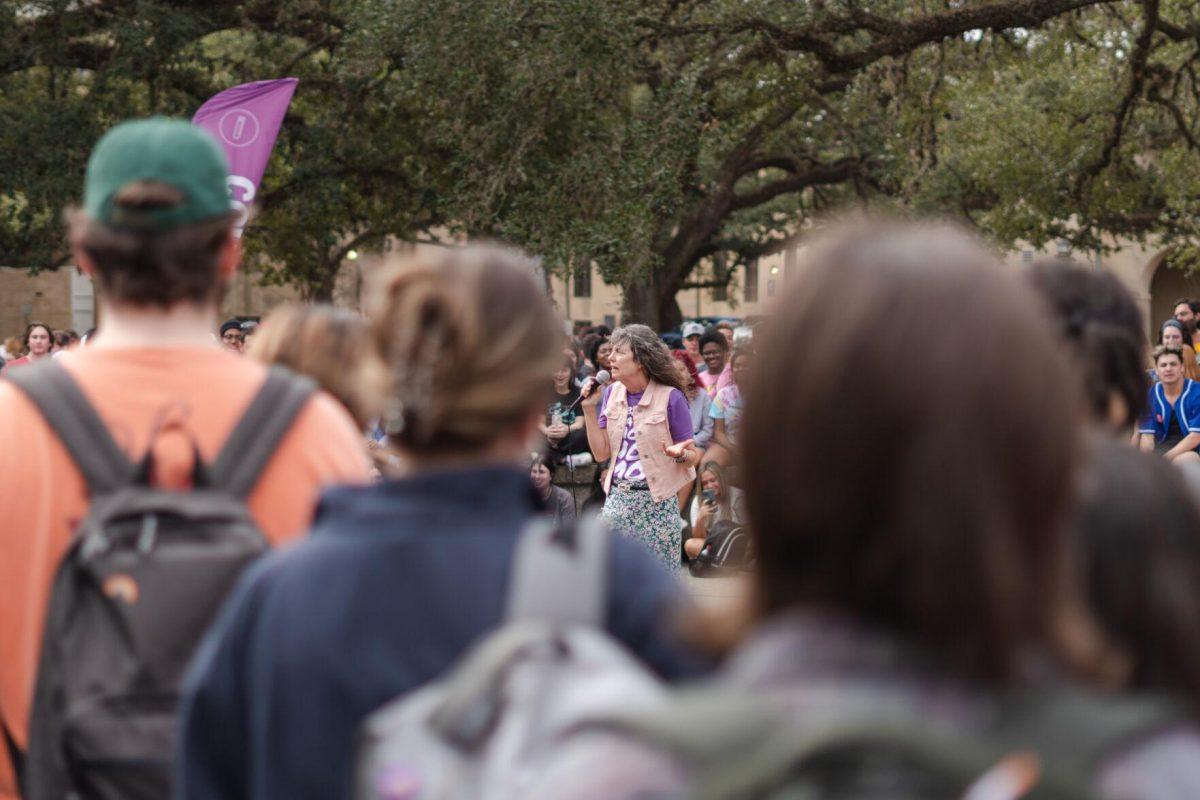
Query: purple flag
{"type": "Point", "coordinates": [245, 121]}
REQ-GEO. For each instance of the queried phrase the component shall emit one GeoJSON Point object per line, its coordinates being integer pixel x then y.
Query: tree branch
{"type": "Point", "coordinates": [1137, 80]}
{"type": "Point", "coordinates": [891, 37]}
{"type": "Point", "coordinates": [817, 175]}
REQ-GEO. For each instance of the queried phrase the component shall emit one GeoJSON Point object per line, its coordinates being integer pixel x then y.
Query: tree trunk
{"type": "Point", "coordinates": [651, 303]}
{"type": "Point", "coordinates": [319, 288]}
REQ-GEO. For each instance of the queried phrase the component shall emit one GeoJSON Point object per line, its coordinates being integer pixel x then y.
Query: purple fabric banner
{"type": "Point", "coordinates": [245, 121]}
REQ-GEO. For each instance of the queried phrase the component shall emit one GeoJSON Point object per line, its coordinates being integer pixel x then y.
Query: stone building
{"type": "Point", "coordinates": [65, 298]}
{"type": "Point", "coordinates": [1149, 277]}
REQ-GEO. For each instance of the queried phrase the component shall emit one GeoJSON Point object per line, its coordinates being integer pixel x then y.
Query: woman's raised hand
{"type": "Point", "coordinates": [591, 393]}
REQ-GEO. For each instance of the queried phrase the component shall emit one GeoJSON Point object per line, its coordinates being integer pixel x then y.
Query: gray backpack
{"type": "Point", "coordinates": [146, 572]}
{"type": "Point", "coordinates": [488, 729]}
{"type": "Point", "coordinates": [735, 745]}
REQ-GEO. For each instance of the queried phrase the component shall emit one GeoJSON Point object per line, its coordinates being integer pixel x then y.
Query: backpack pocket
{"type": "Point", "coordinates": [120, 748]}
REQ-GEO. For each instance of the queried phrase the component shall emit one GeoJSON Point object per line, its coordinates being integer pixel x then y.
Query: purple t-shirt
{"type": "Point", "coordinates": [627, 464]}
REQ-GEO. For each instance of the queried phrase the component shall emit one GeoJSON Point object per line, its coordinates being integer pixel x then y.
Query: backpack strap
{"type": "Point", "coordinates": [15, 756]}
{"type": "Point", "coordinates": [560, 574]}
{"type": "Point", "coordinates": [55, 394]}
{"type": "Point", "coordinates": [260, 430]}
{"type": "Point", "coordinates": [1084, 728]}
{"type": "Point", "coordinates": [737, 746]}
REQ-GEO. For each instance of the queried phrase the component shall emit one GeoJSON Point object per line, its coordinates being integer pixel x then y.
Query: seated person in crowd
{"type": "Point", "coordinates": [1171, 334]}
{"type": "Point", "coordinates": [726, 412]}
{"type": "Point", "coordinates": [699, 403]}
{"type": "Point", "coordinates": [714, 350]}
{"type": "Point", "coordinates": [691, 332]}
{"type": "Point", "coordinates": [563, 426]}
{"type": "Point", "coordinates": [598, 353]}
{"type": "Point", "coordinates": [1171, 426]}
{"type": "Point", "coordinates": [717, 502]}
{"type": "Point", "coordinates": [558, 500]}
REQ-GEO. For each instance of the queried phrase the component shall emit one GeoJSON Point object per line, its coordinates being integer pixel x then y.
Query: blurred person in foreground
{"type": "Point", "coordinates": [643, 423]}
{"type": "Point", "coordinates": [1104, 332]}
{"type": "Point", "coordinates": [398, 579]}
{"type": "Point", "coordinates": [903, 578]}
{"type": "Point", "coordinates": [1171, 426]}
{"type": "Point", "coordinates": [1138, 534]}
{"type": "Point", "coordinates": [333, 346]}
{"type": "Point", "coordinates": [156, 233]}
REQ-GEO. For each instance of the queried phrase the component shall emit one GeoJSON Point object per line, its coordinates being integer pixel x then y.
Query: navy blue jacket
{"type": "Point", "coordinates": [394, 583]}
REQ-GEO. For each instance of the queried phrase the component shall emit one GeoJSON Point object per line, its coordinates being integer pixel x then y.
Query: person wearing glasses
{"type": "Point", "coordinates": [232, 338]}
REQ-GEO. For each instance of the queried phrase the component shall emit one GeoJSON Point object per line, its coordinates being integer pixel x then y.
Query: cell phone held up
{"type": "Point", "coordinates": [708, 496]}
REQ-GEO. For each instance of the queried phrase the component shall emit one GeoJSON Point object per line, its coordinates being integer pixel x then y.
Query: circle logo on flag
{"type": "Point", "coordinates": [239, 127]}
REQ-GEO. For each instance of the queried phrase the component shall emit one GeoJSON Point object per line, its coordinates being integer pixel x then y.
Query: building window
{"type": "Point", "coordinates": [789, 260]}
{"type": "Point", "coordinates": [750, 289]}
{"type": "Point", "coordinates": [583, 281]}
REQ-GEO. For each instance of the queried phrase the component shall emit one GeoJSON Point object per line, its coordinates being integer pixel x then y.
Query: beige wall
{"type": "Point", "coordinates": [48, 296]}
{"type": "Point", "coordinates": [606, 300]}
{"type": "Point", "coordinates": [25, 298]}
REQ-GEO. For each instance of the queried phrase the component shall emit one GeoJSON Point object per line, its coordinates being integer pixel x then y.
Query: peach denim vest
{"type": "Point", "coordinates": [650, 431]}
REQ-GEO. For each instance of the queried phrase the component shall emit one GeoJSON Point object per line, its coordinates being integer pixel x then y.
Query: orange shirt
{"type": "Point", "coordinates": [185, 393]}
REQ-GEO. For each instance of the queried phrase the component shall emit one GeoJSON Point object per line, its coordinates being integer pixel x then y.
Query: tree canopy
{"type": "Point", "coordinates": [651, 139]}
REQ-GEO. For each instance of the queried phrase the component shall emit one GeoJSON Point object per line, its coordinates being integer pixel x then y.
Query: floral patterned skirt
{"type": "Point", "coordinates": [655, 523]}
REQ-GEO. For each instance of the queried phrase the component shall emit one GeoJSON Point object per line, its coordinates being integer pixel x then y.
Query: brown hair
{"type": "Point", "coordinates": [1101, 325]}
{"type": "Point", "coordinates": [1139, 537]}
{"type": "Point", "coordinates": [153, 268]}
{"type": "Point", "coordinates": [331, 345]}
{"type": "Point", "coordinates": [723, 498]}
{"type": "Point", "coordinates": [471, 343]}
{"type": "Point", "coordinates": [651, 354]}
{"type": "Point", "coordinates": [1160, 351]}
{"type": "Point", "coordinates": [29, 330]}
{"type": "Point", "coordinates": [927, 501]}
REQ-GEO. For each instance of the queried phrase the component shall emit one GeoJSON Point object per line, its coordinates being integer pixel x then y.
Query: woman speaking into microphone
{"type": "Point", "coordinates": [643, 423]}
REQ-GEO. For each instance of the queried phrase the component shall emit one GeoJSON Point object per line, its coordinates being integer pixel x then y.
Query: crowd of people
{"type": "Point", "coordinates": [954, 536]}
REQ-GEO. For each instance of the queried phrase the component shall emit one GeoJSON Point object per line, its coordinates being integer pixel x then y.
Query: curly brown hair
{"type": "Point", "coordinates": [652, 355]}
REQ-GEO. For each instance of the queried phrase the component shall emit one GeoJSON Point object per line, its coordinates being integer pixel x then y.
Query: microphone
{"type": "Point", "coordinates": [601, 378]}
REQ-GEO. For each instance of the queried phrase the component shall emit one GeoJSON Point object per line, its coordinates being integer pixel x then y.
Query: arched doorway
{"type": "Point", "coordinates": [1167, 286]}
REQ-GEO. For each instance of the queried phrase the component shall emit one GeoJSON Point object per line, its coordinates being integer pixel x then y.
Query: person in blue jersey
{"type": "Point", "coordinates": [1171, 426]}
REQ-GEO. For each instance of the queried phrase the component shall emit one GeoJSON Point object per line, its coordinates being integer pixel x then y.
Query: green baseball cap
{"type": "Point", "coordinates": [170, 151]}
